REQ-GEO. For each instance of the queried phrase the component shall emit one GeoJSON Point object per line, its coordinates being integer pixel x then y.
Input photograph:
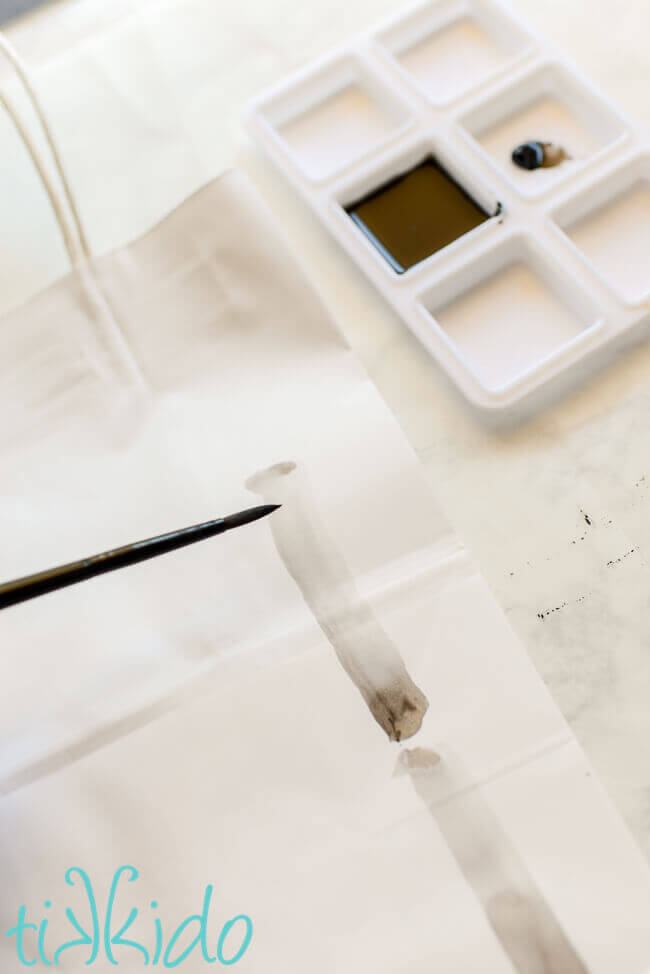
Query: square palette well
{"type": "Point", "coordinates": [450, 48]}
{"type": "Point", "coordinates": [515, 312]}
{"type": "Point", "coordinates": [402, 144]}
{"type": "Point", "coordinates": [343, 114]}
{"type": "Point", "coordinates": [610, 227]}
{"type": "Point", "coordinates": [547, 105]}
{"type": "Point", "coordinates": [416, 214]}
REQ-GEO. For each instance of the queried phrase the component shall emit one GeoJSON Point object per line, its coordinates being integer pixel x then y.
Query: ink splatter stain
{"type": "Point", "coordinates": [617, 561]}
{"type": "Point", "coordinates": [558, 608]}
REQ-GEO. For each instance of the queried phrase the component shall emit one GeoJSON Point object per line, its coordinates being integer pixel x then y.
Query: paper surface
{"type": "Point", "coordinates": [188, 716]}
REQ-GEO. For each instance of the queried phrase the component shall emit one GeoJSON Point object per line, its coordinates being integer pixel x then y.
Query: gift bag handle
{"type": "Point", "coordinates": [73, 234]}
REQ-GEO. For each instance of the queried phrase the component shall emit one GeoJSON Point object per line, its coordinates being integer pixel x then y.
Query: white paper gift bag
{"type": "Point", "coordinates": [206, 738]}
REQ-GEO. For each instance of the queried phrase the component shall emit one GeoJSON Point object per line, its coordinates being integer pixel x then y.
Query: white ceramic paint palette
{"type": "Point", "coordinates": [555, 272]}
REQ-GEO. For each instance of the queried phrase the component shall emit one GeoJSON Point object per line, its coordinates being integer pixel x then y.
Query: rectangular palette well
{"type": "Point", "coordinates": [402, 143]}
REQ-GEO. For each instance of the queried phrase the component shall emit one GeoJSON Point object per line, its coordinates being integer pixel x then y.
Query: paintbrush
{"type": "Point", "coordinates": [52, 579]}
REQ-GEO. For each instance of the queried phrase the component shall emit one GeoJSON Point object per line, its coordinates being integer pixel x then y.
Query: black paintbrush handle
{"type": "Point", "coordinates": [52, 579]}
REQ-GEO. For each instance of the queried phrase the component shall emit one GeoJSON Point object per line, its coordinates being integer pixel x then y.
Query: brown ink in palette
{"type": "Point", "coordinates": [416, 214]}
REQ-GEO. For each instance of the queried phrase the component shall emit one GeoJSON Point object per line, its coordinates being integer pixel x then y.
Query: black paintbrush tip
{"type": "Point", "coordinates": [251, 514]}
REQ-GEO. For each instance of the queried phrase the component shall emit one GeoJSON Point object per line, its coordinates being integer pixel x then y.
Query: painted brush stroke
{"type": "Point", "coordinates": [311, 557]}
{"type": "Point", "coordinates": [520, 917]}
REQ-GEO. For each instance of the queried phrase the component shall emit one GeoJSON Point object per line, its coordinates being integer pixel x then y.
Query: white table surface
{"type": "Point", "coordinates": [145, 98]}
